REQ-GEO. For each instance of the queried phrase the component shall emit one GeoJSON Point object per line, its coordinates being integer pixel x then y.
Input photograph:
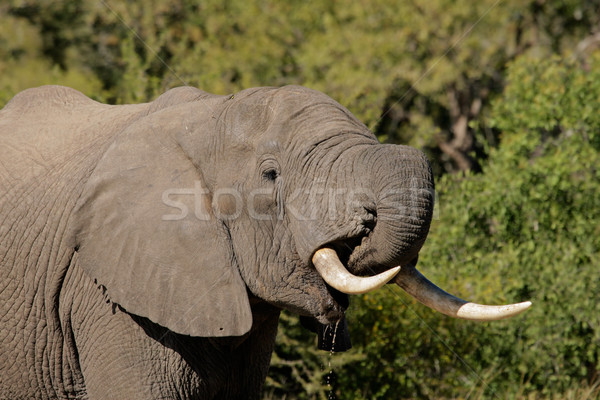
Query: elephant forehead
{"type": "Point", "coordinates": [289, 94]}
{"type": "Point", "coordinates": [312, 123]}
{"type": "Point", "coordinates": [295, 106]}
{"type": "Point", "coordinates": [291, 118]}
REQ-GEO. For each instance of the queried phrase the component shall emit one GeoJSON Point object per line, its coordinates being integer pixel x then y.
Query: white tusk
{"type": "Point", "coordinates": [415, 284]}
{"type": "Point", "coordinates": [337, 276]}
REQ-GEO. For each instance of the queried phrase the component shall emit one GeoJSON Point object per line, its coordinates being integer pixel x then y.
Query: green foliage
{"type": "Point", "coordinates": [549, 215]}
{"type": "Point", "coordinates": [23, 66]}
{"type": "Point", "coordinates": [414, 73]}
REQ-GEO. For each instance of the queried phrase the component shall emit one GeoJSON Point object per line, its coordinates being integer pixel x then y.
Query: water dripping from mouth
{"type": "Point", "coordinates": [335, 337]}
{"type": "Point", "coordinates": [330, 374]}
{"type": "Point", "coordinates": [328, 336]}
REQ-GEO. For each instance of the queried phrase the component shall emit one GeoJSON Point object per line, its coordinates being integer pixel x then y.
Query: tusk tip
{"type": "Point", "coordinates": [523, 306]}
{"type": "Point", "coordinates": [518, 308]}
{"type": "Point", "coordinates": [478, 312]}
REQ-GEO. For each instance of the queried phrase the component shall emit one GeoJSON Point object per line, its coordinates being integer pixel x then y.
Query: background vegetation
{"type": "Point", "coordinates": [504, 96]}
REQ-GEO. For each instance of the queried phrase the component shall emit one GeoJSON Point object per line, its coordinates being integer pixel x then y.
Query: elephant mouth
{"type": "Point", "coordinates": [341, 302]}
{"type": "Point", "coordinates": [338, 302]}
{"type": "Point", "coordinates": [347, 247]}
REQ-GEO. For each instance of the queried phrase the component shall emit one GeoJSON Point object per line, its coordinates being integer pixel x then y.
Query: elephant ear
{"type": "Point", "coordinates": [142, 238]}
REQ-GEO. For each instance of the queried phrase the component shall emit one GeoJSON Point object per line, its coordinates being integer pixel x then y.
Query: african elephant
{"type": "Point", "coordinates": [146, 250]}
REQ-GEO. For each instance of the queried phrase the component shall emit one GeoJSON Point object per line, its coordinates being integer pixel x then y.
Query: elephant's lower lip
{"type": "Point", "coordinates": [330, 317]}
{"type": "Point", "coordinates": [336, 307]}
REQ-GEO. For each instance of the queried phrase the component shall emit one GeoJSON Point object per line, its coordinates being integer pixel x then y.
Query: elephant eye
{"type": "Point", "coordinates": [270, 174]}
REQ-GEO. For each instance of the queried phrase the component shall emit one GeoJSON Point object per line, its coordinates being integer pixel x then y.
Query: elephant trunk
{"type": "Point", "coordinates": [401, 183]}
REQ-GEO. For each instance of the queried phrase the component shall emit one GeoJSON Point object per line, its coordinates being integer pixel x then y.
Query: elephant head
{"type": "Point", "coordinates": [209, 204]}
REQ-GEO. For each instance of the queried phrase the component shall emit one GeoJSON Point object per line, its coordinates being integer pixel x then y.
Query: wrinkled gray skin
{"type": "Point", "coordinates": [109, 289]}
